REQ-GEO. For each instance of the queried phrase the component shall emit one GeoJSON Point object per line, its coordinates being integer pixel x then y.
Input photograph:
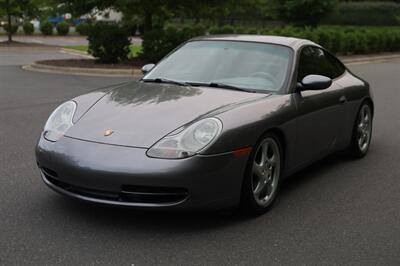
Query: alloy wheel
{"type": "Point", "coordinates": [364, 128]}
{"type": "Point", "coordinates": [266, 171]}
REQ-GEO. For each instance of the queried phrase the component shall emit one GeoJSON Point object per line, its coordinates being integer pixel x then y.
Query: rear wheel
{"type": "Point", "coordinates": [262, 177]}
{"type": "Point", "coordinates": [362, 132]}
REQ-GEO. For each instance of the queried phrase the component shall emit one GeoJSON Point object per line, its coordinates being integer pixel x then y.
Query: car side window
{"type": "Point", "coordinates": [316, 61]}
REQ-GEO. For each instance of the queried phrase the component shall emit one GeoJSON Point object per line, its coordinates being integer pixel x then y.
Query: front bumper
{"type": "Point", "coordinates": [125, 176]}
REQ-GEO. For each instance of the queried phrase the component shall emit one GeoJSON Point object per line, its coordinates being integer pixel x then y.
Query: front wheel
{"type": "Point", "coordinates": [262, 177]}
{"type": "Point", "coordinates": [362, 132]}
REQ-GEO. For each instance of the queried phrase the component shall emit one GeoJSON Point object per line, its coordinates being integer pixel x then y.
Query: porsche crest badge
{"type": "Point", "coordinates": [108, 132]}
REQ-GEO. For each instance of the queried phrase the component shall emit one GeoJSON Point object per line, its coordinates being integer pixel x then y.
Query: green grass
{"type": "Point", "coordinates": [134, 49]}
{"type": "Point", "coordinates": [81, 48]}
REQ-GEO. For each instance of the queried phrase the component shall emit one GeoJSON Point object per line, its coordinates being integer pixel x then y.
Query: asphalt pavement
{"type": "Point", "coordinates": [19, 56]}
{"type": "Point", "coordinates": [337, 212]}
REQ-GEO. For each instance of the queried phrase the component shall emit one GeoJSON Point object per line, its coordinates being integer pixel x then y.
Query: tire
{"type": "Point", "coordinates": [362, 132]}
{"type": "Point", "coordinates": [263, 175]}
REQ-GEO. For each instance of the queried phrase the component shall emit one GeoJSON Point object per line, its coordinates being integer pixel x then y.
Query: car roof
{"type": "Point", "coordinates": [294, 43]}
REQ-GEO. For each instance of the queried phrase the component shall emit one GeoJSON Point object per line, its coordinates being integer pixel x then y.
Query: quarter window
{"type": "Point", "coordinates": [315, 61]}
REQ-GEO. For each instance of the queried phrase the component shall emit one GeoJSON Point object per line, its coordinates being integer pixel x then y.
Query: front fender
{"type": "Point", "coordinates": [244, 125]}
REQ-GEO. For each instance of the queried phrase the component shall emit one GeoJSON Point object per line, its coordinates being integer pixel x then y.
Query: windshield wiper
{"type": "Point", "coordinates": [187, 84]}
{"type": "Point", "coordinates": [227, 86]}
{"type": "Point", "coordinates": [168, 81]}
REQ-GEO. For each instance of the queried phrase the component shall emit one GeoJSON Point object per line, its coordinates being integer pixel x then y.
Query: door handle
{"type": "Point", "coordinates": [342, 99]}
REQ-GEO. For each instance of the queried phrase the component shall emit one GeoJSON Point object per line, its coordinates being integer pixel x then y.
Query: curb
{"type": "Point", "coordinates": [97, 72]}
{"type": "Point", "coordinates": [358, 60]}
{"type": "Point", "coordinates": [137, 73]}
{"type": "Point", "coordinates": [76, 53]}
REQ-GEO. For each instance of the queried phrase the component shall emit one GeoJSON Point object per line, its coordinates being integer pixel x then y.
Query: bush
{"type": "Point", "coordinates": [227, 29]}
{"type": "Point", "coordinates": [348, 40]}
{"type": "Point", "coordinates": [198, 30]}
{"type": "Point", "coordinates": [46, 28]}
{"type": "Point", "coordinates": [365, 13]}
{"type": "Point", "coordinates": [83, 28]}
{"type": "Point", "coordinates": [62, 28]}
{"type": "Point", "coordinates": [189, 32]}
{"type": "Point", "coordinates": [214, 30]}
{"type": "Point", "coordinates": [108, 42]}
{"type": "Point", "coordinates": [158, 43]}
{"type": "Point", "coordinates": [339, 40]}
{"type": "Point", "coordinates": [306, 12]}
{"type": "Point", "coordinates": [13, 28]}
{"type": "Point", "coordinates": [241, 30]}
{"type": "Point", "coordinates": [252, 31]}
{"type": "Point", "coordinates": [28, 28]}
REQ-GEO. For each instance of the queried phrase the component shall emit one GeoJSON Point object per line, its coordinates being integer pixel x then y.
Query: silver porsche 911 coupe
{"type": "Point", "coordinates": [217, 123]}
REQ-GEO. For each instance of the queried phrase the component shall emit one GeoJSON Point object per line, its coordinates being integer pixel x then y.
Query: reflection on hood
{"type": "Point", "coordinates": [139, 93]}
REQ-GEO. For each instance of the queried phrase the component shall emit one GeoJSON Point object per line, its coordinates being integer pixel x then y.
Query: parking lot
{"type": "Point", "coordinates": [337, 212]}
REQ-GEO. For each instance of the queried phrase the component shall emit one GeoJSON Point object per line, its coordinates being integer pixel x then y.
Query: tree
{"type": "Point", "coordinates": [303, 12]}
{"type": "Point", "coordinates": [16, 9]}
{"type": "Point", "coordinates": [151, 13]}
{"type": "Point", "coordinates": [144, 9]}
{"type": "Point", "coordinates": [223, 11]}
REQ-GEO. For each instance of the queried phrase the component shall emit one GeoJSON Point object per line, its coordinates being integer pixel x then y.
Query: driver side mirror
{"type": "Point", "coordinates": [147, 68]}
{"type": "Point", "coordinates": [314, 82]}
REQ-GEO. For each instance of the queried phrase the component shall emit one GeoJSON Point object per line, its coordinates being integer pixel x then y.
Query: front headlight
{"type": "Point", "coordinates": [59, 121]}
{"type": "Point", "coordinates": [187, 141]}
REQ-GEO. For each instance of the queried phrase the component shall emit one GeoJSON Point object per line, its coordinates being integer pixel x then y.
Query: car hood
{"type": "Point", "coordinates": [139, 114]}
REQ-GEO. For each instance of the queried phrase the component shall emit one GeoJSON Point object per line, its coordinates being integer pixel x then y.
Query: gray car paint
{"type": "Point", "coordinates": [142, 113]}
{"type": "Point", "coordinates": [311, 125]}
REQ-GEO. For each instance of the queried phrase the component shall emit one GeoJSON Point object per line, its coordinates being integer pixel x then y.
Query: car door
{"type": "Point", "coordinates": [319, 112]}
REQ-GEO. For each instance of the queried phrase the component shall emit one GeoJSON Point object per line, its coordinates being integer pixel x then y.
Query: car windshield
{"type": "Point", "coordinates": [229, 64]}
